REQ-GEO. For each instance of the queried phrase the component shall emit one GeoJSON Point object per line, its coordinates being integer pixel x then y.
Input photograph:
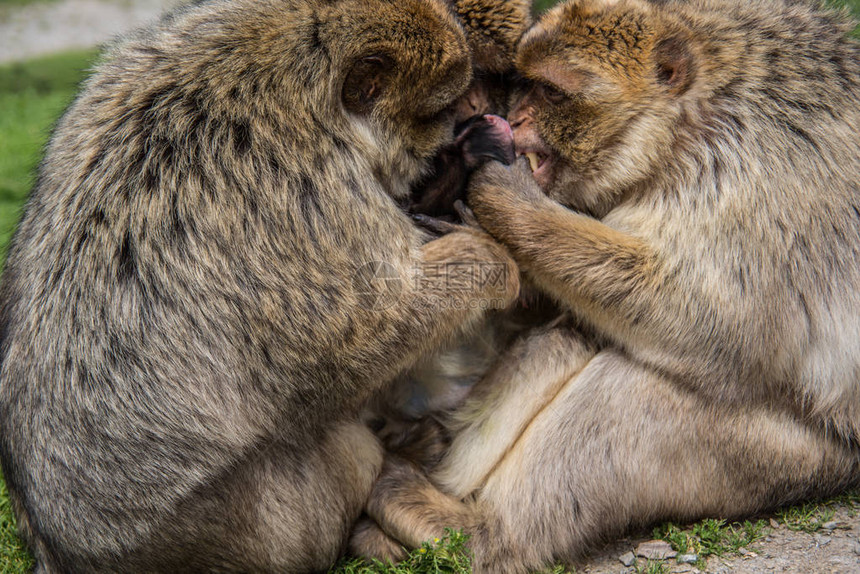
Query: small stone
{"type": "Point", "coordinates": [774, 523]}
{"type": "Point", "coordinates": [688, 558]}
{"type": "Point", "coordinates": [743, 551]}
{"type": "Point", "coordinates": [822, 540]}
{"type": "Point", "coordinates": [830, 525]}
{"type": "Point", "coordinates": [628, 559]}
{"type": "Point", "coordinates": [839, 525]}
{"type": "Point", "coordinates": [857, 548]}
{"type": "Point", "coordinates": [682, 569]}
{"type": "Point", "coordinates": [655, 550]}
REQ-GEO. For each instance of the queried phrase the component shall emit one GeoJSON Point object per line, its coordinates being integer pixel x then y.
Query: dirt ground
{"type": "Point", "coordinates": [827, 551]}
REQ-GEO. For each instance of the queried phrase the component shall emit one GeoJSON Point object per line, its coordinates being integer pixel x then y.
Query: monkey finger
{"type": "Point", "coordinates": [522, 165]}
{"type": "Point", "coordinates": [434, 225]}
{"type": "Point", "coordinates": [467, 216]}
{"type": "Point", "coordinates": [490, 183]}
{"type": "Point", "coordinates": [515, 179]}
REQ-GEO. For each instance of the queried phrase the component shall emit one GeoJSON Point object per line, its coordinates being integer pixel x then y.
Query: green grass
{"type": "Point", "coordinates": [446, 556]}
{"type": "Point", "coordinates": [806, 518]}
{"type": "Point", "coordinates": [8, 5]}
{"type": "Point", "coordinates": [17, 2]}
{"type": "Point", "coordinates": [541, 5]}
{"type": "Point", "coordinates": [711, 537]}
{"type": "Point", "coordinates": [810, 517]}
{"type": "Point", "coordinates": [853, 4]}
{"type": "Point", "coordinates": [651, 567]}
{"type": "Point", "coordinates": [14, 558]}
{"type": "Point", "coordinates": [32, 96]}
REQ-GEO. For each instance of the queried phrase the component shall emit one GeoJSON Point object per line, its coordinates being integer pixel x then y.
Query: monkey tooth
{"type": "Point", "coordinates": [534, 161]}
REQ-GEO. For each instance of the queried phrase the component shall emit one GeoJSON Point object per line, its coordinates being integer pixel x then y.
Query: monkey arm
{"type": "Point", "coordinates": [603, 274]}
{"type": "Point", "coordinates": [409, 508]}
{"type": "Point", "coordinates": [456, 279]}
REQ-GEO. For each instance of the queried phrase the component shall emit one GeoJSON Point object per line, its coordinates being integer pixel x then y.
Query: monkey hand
{"type": "Point", "coordinates": [492, 272]}
{"type": "Point", "coordinates": [498, 192]}
{"type": "Point", "coordinates": [439, 226]}
{"type": "Point", "coordinates": [435, 225]}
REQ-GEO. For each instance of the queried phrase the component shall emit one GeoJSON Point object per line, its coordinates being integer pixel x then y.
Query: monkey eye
{"type": "Point", "coordinates": [551, 94]}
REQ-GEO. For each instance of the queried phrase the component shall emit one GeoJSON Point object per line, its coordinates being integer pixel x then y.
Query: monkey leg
{"type": "Point", "coordinates": [412, 509]}
{"type": "Point", "coordinates": [501, 405]}
{"type": "Point", "coordinates": [369, 540]}
{"type": "Point", "coordinates": [286, 508]}
{"type": "Point", "coordinates": [619, 446]}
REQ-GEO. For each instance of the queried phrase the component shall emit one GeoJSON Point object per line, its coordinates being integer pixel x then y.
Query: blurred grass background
{"type": "Point", "coordinates": [32, 96]}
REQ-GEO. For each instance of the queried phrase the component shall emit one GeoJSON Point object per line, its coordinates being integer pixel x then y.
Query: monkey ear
{"type": "Point", "coordinates": [366, 82]}
{"type": "Point", "coordinates": [676, 65]}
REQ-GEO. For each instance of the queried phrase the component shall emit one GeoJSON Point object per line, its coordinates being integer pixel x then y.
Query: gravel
{"type": "Point", "coordinates": [833, 550]}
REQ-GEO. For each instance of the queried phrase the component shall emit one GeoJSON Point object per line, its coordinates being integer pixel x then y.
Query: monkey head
{"type": "Point", "coordinates": [379, 76]}
{"type": "Point", "coordinates": [606, 84]}
{"type": "Point", "coordinates": [493, 30]}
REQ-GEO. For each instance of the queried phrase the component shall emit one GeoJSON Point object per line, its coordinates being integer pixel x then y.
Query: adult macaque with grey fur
{"type": "Point", "coordinates": [693, 200]}
{"type": "Point", "coordinates": [212, 276]}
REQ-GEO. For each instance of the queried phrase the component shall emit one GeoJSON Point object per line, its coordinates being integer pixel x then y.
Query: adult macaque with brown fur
{"type": "Point", "coordinates": [694, 201]}
{"type": "Point", "coordinates": [192, 310]}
